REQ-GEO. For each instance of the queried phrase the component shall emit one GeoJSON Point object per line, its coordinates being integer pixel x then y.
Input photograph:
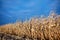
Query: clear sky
{"type": "Point", "coordinates": [12, 10]}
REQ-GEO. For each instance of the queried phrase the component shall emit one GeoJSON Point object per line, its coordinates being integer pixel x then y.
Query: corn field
{"type": "Point", "coordinates": [42, 28]}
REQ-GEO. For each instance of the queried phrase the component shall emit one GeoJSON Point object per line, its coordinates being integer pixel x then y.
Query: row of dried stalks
{"type": "Point", "coordinates": [43, 28]}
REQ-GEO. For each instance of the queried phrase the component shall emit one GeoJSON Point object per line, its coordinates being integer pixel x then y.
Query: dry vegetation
{"type": "Point", "coordinates": [47, 28]}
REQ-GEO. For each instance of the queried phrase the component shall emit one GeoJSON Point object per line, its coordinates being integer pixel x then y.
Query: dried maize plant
{"type": "Point", "coordinates": [34, 27]}
{"type": "Point", "coordinates": [53, 29]}
{"type": "Point", "coordinates": [14, 29]}
{"type": "Point", "coordinates": [26, 27]}
{"type": "Point", "coordinates": [37, 28]}
{"type": "Point", "coordinates": [43, 28]}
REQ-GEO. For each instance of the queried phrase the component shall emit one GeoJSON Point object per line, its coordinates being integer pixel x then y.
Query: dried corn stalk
{"type": "Point", "coordinates": [46, 28]}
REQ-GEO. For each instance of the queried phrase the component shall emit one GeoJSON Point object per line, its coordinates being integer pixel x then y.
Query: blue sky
{"type": "Point", "coordinates": [12, 10]}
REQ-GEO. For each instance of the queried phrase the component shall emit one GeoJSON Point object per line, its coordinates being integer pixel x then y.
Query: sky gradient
{"type": "Point", "coordinates": [13, 10]}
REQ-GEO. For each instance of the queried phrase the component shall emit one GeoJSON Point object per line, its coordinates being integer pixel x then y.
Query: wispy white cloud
{"type": "Point", "coordinates": [25, 10]}
{"type": "Point", "coordinates": [19, 12]}
{"type": "Point", "coordinates": [30, 4]}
